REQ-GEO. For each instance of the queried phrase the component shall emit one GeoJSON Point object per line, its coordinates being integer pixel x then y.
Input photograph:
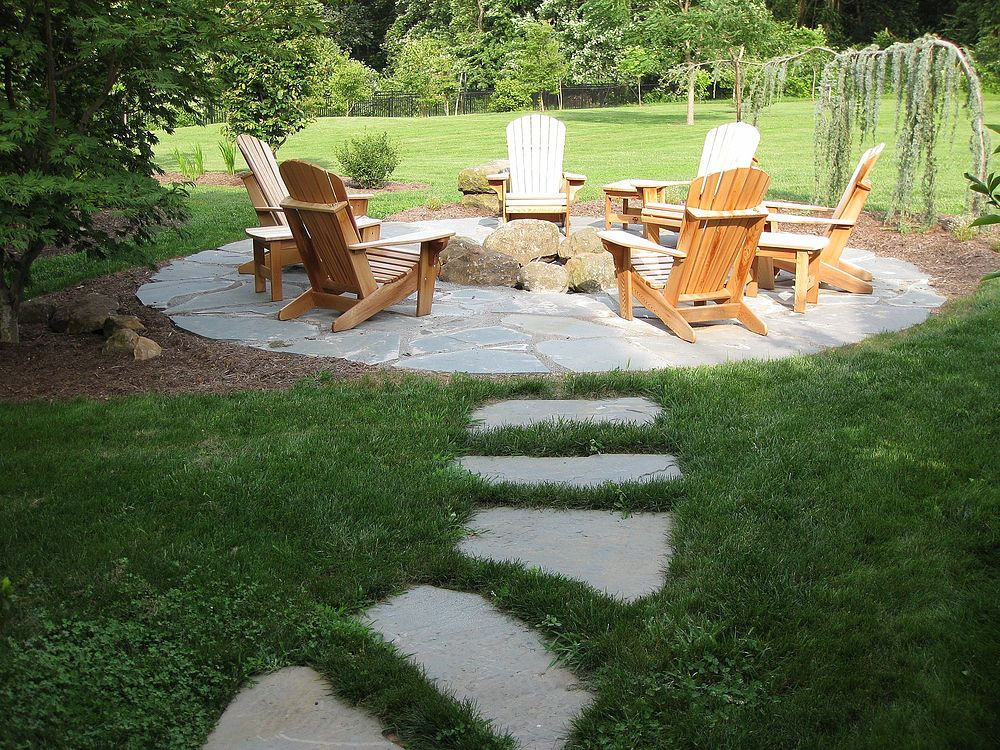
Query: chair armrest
{"type": "Point", "coordinates": [792, 206]}
{"type": "Point", "coordinates": [574, 177]}
{"type": "Point", "coordinates": [413, 238]}
{"type": "Point", "coordinates": [796, 219]}
{"type": "Point", "coordinates": [359, 204]}
{"type": "Point", "coordinates": [634, 242]}
{"type": "Point", "coordinates": [747, 213]}
{"type": "Point", "coordinates": [360, 196]}
{"type": "Point", "coordinates": [660, 184]}
{"type": "Point", "coordinates": [498, 177]}
{"type": "Point", "coordinates": [366, 221]}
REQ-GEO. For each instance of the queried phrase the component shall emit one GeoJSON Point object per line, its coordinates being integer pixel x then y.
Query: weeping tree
{"type": "Point", "coordinates": [932, 80]}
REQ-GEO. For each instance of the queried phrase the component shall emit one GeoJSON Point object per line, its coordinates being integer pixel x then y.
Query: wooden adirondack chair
{"type": "Point", "coordinates": [379, 272]}
{"type": "Point", "coordinates": [729, 146]}
{"type": "Point", "coordinates": [273, 244]}
{"type": "Point", "coordinates": [536, 186]}
{"type": "Point", "coordinates": [816, 258]}
{"type": "Point", "coordinates": [709, 261]}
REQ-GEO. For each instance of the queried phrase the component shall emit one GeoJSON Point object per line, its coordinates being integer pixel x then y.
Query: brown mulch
{"type": "Point", "coordinates": [223, 179]}
{"type": "Point", "coordinates": [389, 187]}
{"type": "Point", "coordinates": [50, 366]}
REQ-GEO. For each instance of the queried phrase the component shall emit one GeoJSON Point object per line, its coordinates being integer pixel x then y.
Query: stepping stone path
{"type": "Point", "coordinates": [293, 708]}
{"type": "Point", "coordinates": [479, 654]}
{"type": "Point", "coordinates": [466, 646]}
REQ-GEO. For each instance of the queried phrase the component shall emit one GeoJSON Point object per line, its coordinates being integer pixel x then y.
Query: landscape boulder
{"type": "Point", "coordinates": [82, 315]}
{"type": "Point", "coordinates": [591, 272]}
{"type": "Point", "coordinates": [35, 311]}
{"type": "Point", "coordinates": [117, 322]}
{"type": "Point", "coordinates": [146, 349]}
{"type": "Point", "coordinates": [465, 261]}
{"type": "Point", "coordinates": [525, 240]}
{"type": "Point", "coordinates": [472, 180]}
{"type": "Point", "coordinates": [486, 202]}
{"type": "Point", "coordinates": [122, 341]}
{"type": "Point", "coordinates": [539, 276]}
{"type": "Point", "coordinates": [579, 242]}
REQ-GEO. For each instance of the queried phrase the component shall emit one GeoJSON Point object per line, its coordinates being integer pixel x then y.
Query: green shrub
{"type": "Point", "coordinates": [510, 95]}
{"type": "Point", "coordinates": [369, 158]}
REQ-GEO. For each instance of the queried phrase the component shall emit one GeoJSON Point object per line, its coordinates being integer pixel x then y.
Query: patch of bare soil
{"type": "Point", "coordinates": [50, 366]}
{"type": "Point", "coordinates": [223, 179]}
{"type": "Point", "coordinates": [446, 211]}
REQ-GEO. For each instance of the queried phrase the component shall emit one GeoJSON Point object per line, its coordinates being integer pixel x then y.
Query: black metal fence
{"type": "Point", "coordinates": [401, 104]}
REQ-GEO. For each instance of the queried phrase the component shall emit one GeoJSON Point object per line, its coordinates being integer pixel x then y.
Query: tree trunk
{"type": "Point", "coordinates": [692, 80]}
{"type": "Point", "coordinates": [738, 85]}
{"type": "Point", "coordinates": [639, 87]}
{"type": "Point", "coordinates": [8, 320]}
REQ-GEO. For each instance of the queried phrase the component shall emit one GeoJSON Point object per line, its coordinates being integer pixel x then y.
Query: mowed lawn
{"type": "Point", "coordinates": [834, 581]}
{"type": "Point", "coordinates": [652, 141]}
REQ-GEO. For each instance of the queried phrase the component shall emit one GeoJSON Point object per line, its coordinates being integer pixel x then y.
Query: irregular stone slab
{"type": "Point", "coordinates": [369, 347]}
{"type": "Point", "coordinates": [574, 471]}
{"type": "Point", "coordinates": [233, 254]}
{"type": "Point", "coordinates": [491, 335]}
{"type": "Point", "coordinates": [231, 328]}
{"type": "Point", "coordinates": [600, 355]}
{"type": "Point", "coordinates": [918, 296]}
{"type": "Point", "coordinates": [290, 709]}
{"type": "Point", "coordinates": [621, 556]}
{"type": "Point", "coordinates": [551, 326]}
{"type": "Point", "coordinates": [479, 654]}
{"type": "Point", "coordinates": [437, 344]}
{"type": "Point", "coordinates": [159, 293]}
{"type": "Point", "coordinates": [529, 411]}
{"type": "Point", "coordinates": [181, 270]}
{"type": "Point", "coordinates": [241, 295]}
{"type": "Point", "coordinates": [482, 361]}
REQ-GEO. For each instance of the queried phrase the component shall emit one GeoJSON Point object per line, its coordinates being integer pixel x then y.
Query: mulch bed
{"type": "Point", "coordinates": [50, 366]}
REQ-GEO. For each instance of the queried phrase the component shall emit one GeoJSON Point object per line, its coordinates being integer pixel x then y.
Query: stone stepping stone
{"type": "Point", "coordinates": [624, 557]}
{"type": "Point", "coordinates": [527, 412]}
{"type": "Point", "coordinates": [575, 471]}
{"type": "Point", "coordinates": [477, 653]}
{"type": "Point", "coordinates": [290, 709]}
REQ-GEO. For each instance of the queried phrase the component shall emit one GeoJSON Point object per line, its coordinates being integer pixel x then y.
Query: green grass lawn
{"type": "Point", "coordinates": [605, 144]}
{"type": "Point", "coordinates": [834, 582]}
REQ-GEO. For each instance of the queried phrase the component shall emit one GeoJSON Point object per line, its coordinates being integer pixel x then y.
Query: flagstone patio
{"type": "Point", "coordinates": [499, 330]}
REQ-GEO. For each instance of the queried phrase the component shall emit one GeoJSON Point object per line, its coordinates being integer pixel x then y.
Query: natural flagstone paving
{"type": "Point", "coordinates": [290, 709]}
{"type": "Point", "coordinates": [574, 471]}
{"type": "Point", "coordinates": [477, 653]}
{"type": "Point", "coordinates": [624, 556]}
{"type": "Point", "coordinates": [500, 330]}
{"type": "Point", "coordinates": [525, 412]}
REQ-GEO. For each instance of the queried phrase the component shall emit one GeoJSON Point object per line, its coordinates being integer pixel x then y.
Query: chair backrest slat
{"type": "Point", "coordinates": [535, 145]}
{"type": "Point", "coordinates": [260, 159]}
{"type": "Point", "coordinates": [729, 146]}
{"type": "Point", "coordinates": [719, 250]}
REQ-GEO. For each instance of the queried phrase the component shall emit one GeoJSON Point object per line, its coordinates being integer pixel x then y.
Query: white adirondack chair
{"type": "Point", "coordinates": [536, 185]}
{"type": "Point", "coordinates": [729, 146]}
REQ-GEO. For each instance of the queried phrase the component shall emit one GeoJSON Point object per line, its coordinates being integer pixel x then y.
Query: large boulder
{"type": "Point", "coordinates": [539, 276]}
{"type": "Point", "coordinates": [465, 261]}
{"type": "Point", "coordinates": [82, 315]}
{"type": "Point", "coordinates": [591, 272]}
{"type": "Point", "coordinates": [122, 341]}
{"type": "Point", "coordinates": [579, 242]}
{"type": "Point", "coordinates": [146, 349]}
{"type": "Point", "coordinates": [473, 179]}
{"type": "Point", "coordinates": [525, 240]}
{"type": "Point", "coordinates": [35, 311]}
{"type": "Point", "coordinates": [487, 202]}
{"type": "Point", "coordinates": [117, 322]}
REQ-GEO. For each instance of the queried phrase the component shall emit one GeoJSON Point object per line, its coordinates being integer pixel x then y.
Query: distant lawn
{"type": "Point", "coordinates": [834, 582]}
{"type": "Point", "coordinates": [605, 144]}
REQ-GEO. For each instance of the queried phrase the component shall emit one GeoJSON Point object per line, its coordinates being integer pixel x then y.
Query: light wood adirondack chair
{"type": "Point", "coordinates": [709, 261]}
{"type": "Point", "coordinates": [536, 185]}
{"type": "Point", "coordinates": [816, 258]}
{"type": "Point", "coordinates": [379, 273]}
{"type": "Point", "coordinates": [273, 244]}
{"type": "Point", "coordinates": [729, 146]}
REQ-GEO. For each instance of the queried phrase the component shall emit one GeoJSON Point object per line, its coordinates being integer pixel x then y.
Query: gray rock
{"type": "Point", "coordinates": [525, 240]}
{"type": "Point", "coordinates": [623, 556]}
{"type": "Point", "coordinates": [481, 655]}
{"type": "Point", "coordinates": [122, 341]}
{"type": "Point", "coordinates": [524, 412]}
{"type": "Point", "coordinates": [574, 471]}
{"type": "Point", "coordinates": [601, 355]}
{"type": "Point", "coordinates": [591, 272]}
{"type": "Point", "coordinates": [485, 361]}
{"type": "Point", "coordinates": [117, 322]}
{"type": "Point", "coordinates": [473, 179]}
{"type": "Point", "coordinates": [479, 267]}
{"type": "Point", "coordinates": [539, 276]}
{"type": "Point", "coordinates": [146, 349]}
{"type": "Point", "coordinates": [82, 315]}
{"type": "Point", "coordinates": [581, 241]}
{"type": "Point", "coordinates": [485, 201]}
{"type": "Point", "coordinates": [233, 328]}
{"type": "Point", "coordinates": [35, 311]}
{"type": "Point", "coordinates": [459, 247]}
{"type": "Point", "coordinates": [293, 708]}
